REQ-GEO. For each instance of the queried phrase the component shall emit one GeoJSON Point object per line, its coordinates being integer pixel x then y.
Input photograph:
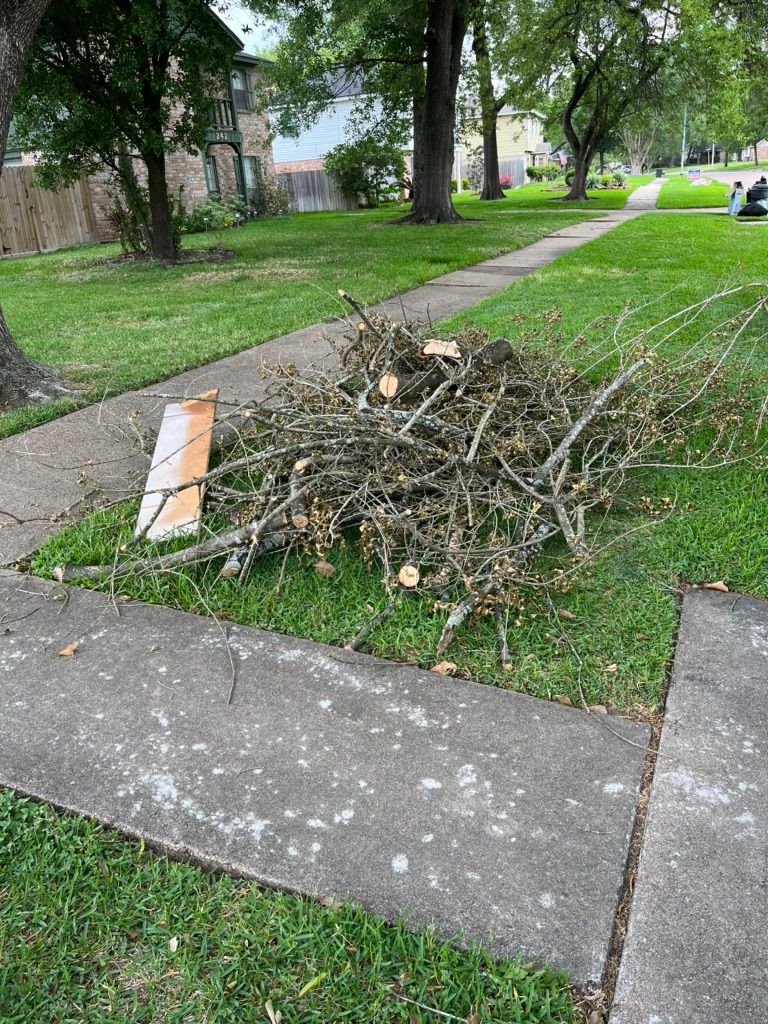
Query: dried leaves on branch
{"type": "Point", "coordinates": [452, 462]}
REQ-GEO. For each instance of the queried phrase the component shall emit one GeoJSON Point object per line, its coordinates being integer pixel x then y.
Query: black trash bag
{"type": "Point", "coordinates": [753, 210]}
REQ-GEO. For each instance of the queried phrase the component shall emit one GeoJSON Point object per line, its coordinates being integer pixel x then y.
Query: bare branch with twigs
{"type": "Point", "coordinates": [471, 456]}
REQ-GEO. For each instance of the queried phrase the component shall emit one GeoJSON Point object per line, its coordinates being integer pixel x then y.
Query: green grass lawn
{"type": "Point", "coordinates": [625, 612]}
{"type": "Point", "coordinates": [625, 606]}
{"type": "Point", "coordinates": [677, 193]}
{"type": "Point", "coordinates": [87, 921]}
{"type": "Point", "coordinates": [738, 165]}
{"type": "Point", "coordinates": [87, 918]}
{"type": "Point", "coordinates": [547, 195]}
{"type": "Point", "coordinates": [113, 326]}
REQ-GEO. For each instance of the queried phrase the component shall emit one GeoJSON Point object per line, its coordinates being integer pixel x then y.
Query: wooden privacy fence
{"type": "Point", "coordinates": [34, 220]}
{"type": "Point", "coordinates": [314, 190]}
{"type": "Point", "coordinates": [514, 168]}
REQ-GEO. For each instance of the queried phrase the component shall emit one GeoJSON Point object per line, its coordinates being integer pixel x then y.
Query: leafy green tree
{"type": "Point", "coordinates": [405, 57]}
{"type": "Point", "coordinates": [112, 77]}
{"type": "Point", "coordinates": [365, 166]}
{"type": "Point", "coordinates": [597, 64]}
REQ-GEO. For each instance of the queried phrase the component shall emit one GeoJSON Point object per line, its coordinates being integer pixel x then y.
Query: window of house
{"type": "Point", "coordinates": [212, 176]}
{"type": "Point", "coordinates": [241, 90]}
{"type": "Point", "coordinates": [238, 176]}
{"type": "Point", "coordinates": [253, 171]}
{"type": "Point", "coordinates": [254, 179]}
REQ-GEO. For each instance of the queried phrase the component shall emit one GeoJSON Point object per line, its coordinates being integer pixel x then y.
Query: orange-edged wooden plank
{"type": "Point", "coordinates": [181, 454]}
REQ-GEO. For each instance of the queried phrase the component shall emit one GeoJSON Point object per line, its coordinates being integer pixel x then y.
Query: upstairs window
{"type": "Point", "coordinates": [241, 90]}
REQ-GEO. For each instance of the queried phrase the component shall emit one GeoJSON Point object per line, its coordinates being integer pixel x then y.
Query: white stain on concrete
{"type": "Point", "coordinates": [430, 784]}
{"type": "Point", "coordinates": [400, 864]}
{"type": "Point", "coordinates": [162, 789]}
{"type": "Point", "coordinates": [714, 796]}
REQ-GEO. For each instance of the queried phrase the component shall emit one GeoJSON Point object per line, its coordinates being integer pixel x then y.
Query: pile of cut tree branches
{"type": "Point", "coordinates": [452, 462]}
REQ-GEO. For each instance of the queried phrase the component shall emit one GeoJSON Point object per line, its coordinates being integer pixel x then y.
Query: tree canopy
{"type": "Point", "coordinates": [403, 59]}
{"type": "Point", "coordinates": [136, 77]}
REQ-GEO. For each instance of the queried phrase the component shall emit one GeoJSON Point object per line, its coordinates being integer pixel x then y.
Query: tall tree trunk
{"type": "Point", "coordinates": [418, 147]}
{"type": "Point", "coordinates": [638, 146]}
{"type": "Point", "coordinates": [757, 162]}
{"type": "Point", "coordinates": [583, 148]}
{"type": "Point", "coordinates": [489, 108]}
{"type": "Point", "coordinates": [21, 380]}
{"type": "Point", "coordinates": [578, 189]}
{"type": "Point", "coordinates": [162, 242]}
{"type": "Point", "coordinates": [446, 29]}
{"type": "Point", "coordinates": [491, 185]}
{"type": "Point", "coordinates": [130, 187]}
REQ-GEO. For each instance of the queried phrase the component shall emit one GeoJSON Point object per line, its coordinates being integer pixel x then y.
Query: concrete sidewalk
{"type": "Point", "coordinates": [697, 945]}
{"type": "Point", "coordinates": [645, 197]}
{"type": "Point", "coordinates": [101, 453]}
{"type": "Point", "coordinates": [330, 773]}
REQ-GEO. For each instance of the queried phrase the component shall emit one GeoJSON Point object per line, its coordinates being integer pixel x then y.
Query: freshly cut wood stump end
{"type": "Point", "coordinates": [388, 385]}
{"type": "Point", "coordinates": [408, 576]}
{"type": "Point", "coordinates": [436, 347]}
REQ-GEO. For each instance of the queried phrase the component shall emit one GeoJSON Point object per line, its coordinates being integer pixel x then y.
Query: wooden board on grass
{"type": "Point", "coordinates": [181, 453]}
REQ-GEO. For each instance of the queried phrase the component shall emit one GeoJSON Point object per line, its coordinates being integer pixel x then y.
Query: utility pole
{"type": "Point", "coordinates": [682, 151]}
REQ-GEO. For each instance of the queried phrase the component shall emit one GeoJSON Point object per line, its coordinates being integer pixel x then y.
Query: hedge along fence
{"type": "Point", "coordinates": [314, 190]}
{"type": "Point", "coordinates": [35, 220]}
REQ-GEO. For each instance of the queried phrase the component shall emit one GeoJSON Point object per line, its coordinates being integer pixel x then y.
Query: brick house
{"type": "Point", "coordinates": [236, 154]}
{"type": "Point", "coordinates": [748, 152]}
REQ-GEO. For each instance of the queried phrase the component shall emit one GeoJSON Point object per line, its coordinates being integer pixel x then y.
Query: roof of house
{"type": "Point", "coordinates": [243, 57]}
{"type": "Point", "coordinates": [342, 83]}
{"type": "Point", "coordinates": [509, 111]}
